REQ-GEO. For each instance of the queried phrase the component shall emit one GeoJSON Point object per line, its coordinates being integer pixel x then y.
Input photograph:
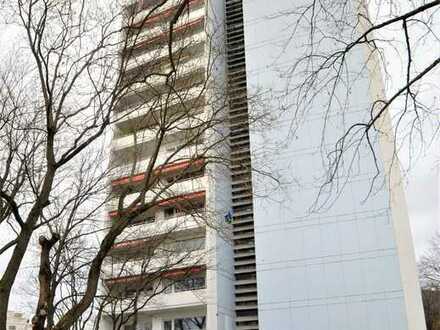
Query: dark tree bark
{"type": "Point", "coordinates": [431, 305]}
{"type": "Point", "coordinates": [45, 279]}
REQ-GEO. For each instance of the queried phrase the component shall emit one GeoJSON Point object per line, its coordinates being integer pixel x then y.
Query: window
{"type": "Point", "coordinates": [141, 220]}
{"type": "Point", "coordinates": [171, 212]}
{"type": "Point", "coordinates": [147, 3]}
{"type": "Point", "coordinates": [190, 283]}
{"type": "Point", "coordinates": [133, 291]}
{"type": "Point", "coordinates": [187, 175]}
{"type": "Point", "coordinates": [167, 286]}
{"type": "Point", "coordinates": [167, 325]}
{"type": "Point", "coordinates": [188, 245]}
{"type": "Point", "coordinates": [194, 207]}
{"type": "Point", "coordinates": [189, 323]}
{"type": "Point", "coordinates": [181, 146]}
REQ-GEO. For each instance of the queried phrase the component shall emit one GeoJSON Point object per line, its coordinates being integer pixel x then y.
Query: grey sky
{"type": "Point", "coordinates": [422, 198]}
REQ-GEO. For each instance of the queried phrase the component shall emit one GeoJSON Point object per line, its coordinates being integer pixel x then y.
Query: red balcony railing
{"type": "Point", "coordinates": [174, 273]}
{"type": "Point", "coordinates": [180, 201]}
{"type": "Point", "coordinates": [160, 170]}
{"type": "Point", "coordinates": [163, 37]}
{"type": "Point", "coordinates": [164, 15]}
{"type": "Point", "coordinates": [135, 243]}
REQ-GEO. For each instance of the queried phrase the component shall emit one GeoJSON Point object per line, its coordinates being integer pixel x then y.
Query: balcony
{"type": "Point", "coordinates": [165, 296]}
{"type": "Point", "coordinates": [183, 36]}
{"type": "Point", "coordinates": [146, 116]}
{"type": "Point", "coordinates": [158, 24]}
{"type": "Point", "coordinates": [164, 13]}
{"type": "Point", "coordinates": [142, 93]}
{"type": "Point", "coordinates": [142, 65]}
{"type": "Point", "coordinates": [172, 168]}
{"type": "Point", "coordinates": [182, 224]}
{"type": "Point", "coordinates": [162, 302]}
{"type": "Point", "coordinates": [156, 53]}
{"type": "Point", "coordinates": [155, 78]}
{"type": "Point", "coordinates": [181, 190]}
{"type": "Point", "coordinates": [177, 300]}
{"type": "Point", "coordinates": [124, 270]}
{"type": "Point", "coordinates": [178, 129]}
{"type": "Point", "coordinates": [129, 169]}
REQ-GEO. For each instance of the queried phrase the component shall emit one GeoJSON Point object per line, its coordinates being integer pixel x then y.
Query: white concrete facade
{"type": "Point", "coordinates": [350, 266]}
{"type": "Point", "coordinates": [347, 267]}
{"type": "Point", "coordinates": [210, 306]}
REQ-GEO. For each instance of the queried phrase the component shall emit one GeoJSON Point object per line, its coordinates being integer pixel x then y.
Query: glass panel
{"type": "Point", "coordinates": [167, 325]}
{"type": "Point", "coordinates": [190, 283]}
{"type": "Point", "coordinates": [167, 286]}
{"type": "Point", "coordinates": [191, 323]}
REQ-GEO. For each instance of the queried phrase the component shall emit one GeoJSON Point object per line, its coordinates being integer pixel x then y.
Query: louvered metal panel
{"type": "Point", "coordinates": [246, 302]}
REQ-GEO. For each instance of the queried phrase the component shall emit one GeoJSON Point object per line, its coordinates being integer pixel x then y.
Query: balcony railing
{"type": "Point", "coordinates": [157, 24]}
{"type": "Point", "coordinates": [169, 153]}
{"type": "Point", "coordinates": [165, 13]}
{"type": "Point", "coordinates": [160, 170]}
{"type": "Point", "coordinates": [185, 223]}
{"type": "Point", "coordinates": [164, 302]}
{"type": "Point", "coordinates": [145, 112]}
{"type": "Point", "coordinates": [178, 121]}
{"type": "Point", "coordinates": [133, 269]}
{"type": "Point", "coordinates": [143, 93]}
{"type": "Point", "coordinates": [154, 77]}
{"type": "Point", "coordinates": [164, 299]}
{"type": "Point", "coordinates": [183, 32]}
{"type": "Point", "coordinates": [139, 66]}
{"type": "Point", "coordinates": [181, 193]}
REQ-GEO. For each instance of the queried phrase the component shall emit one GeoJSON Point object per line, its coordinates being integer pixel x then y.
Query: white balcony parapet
{"type": "Point", "coordinates": [149, 135]}
{"type": "Point", "coordinates": [183, 70]}
{"type": "Point", "coordinates": [164, 157]}
{"type": "Point", "coordinates": [183, 50]}
{"type": "Point", "coordinates": [163, 26]}
{"type": "Point", "coordinates": [151, 265]}
{"type": "Point", "coordinates": [152, 106]}
{"type": "Point", "coordinates": [143, 12]}
{"type": "Point", "coordinates": [192, 73]}
{"type": "Point", "coordinates": [160, 227]}
{"type": "Point", "coordinates": [142, 93]}
{"type": "Point", "coordinates": [154, 53]}
{"type": "Point", "coordinates": [168, 301]}
{"type": "Point", "coordinates": [175, 190]}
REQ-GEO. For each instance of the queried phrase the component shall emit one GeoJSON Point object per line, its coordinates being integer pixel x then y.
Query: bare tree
{"type": "Point", "coordinates": [429, 265]}
{"type": "Point", "coordinates": [345, 41]}
{"type": "Point", "coordinates": [429, 269]}
{"type": "Point", "coordinates": [56, 114]}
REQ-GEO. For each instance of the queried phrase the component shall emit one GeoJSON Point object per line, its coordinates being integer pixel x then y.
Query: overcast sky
{"type": "Point", "coordinates": [423, 197]}
{"type": "Point", "coordinates": [422, 180]}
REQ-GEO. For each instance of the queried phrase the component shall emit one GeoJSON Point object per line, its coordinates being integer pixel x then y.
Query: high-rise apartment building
{"type": "Point", "coordinates": [233, 248]}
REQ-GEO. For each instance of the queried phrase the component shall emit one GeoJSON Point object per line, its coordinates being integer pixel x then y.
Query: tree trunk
{"type": "Point", "coordinates": [10, 273]}
{"type": "Point", "coordinates": [44, 278]}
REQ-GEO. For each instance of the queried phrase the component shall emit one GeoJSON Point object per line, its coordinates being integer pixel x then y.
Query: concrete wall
{"type": "Point", "coordinates": [332, 267]}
